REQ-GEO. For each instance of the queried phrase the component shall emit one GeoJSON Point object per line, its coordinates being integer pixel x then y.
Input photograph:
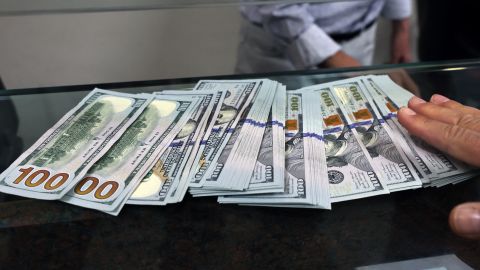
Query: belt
{"type": "Point", "coordinates": [349, 36]}
{"type": "Point", "coordinates": [339, 37]}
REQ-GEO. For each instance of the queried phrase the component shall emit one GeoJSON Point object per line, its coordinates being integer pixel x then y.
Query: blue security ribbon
{"type": "Point", "coordinates": [332, 130]}
{"type": "Point", "coordinates": [277, 123]}
{"type": "Point", "coordinates": [363, 123]}
{"type": "Point", "coordinates": [255, 123]}
{"type": "Point", "coordinates": [390, 116]}
{"type": "Point", "coordinates": [313, 135]}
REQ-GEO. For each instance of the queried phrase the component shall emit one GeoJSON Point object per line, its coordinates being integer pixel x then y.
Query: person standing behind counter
{"type": "Point", "coordinates": [307, 36]}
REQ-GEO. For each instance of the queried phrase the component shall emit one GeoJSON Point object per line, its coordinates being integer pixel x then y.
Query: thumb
{"type": "Point", "coordinates": [465, 220]}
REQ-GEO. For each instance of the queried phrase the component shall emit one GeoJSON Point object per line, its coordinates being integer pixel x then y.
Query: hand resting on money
{"type": "Point", "coordinates": [455, 129]}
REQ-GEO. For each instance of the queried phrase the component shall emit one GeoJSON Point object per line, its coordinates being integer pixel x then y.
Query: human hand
{"type": "Point", "coordinates": [340, 59]}
{"type": "Point", "coordinates": [400, 47]}
{"type": "Point", "coordinates": [445, 124]}
{"type": "Point", "coordinates": [454, 129]}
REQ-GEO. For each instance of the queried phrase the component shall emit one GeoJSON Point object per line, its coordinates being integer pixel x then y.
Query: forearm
{"type": "Point", "coordinates": [401, 51]}
{"type": "Point", "coordinates": [338, 60]}
{"type": "Point", "coordinates": [401, 26]}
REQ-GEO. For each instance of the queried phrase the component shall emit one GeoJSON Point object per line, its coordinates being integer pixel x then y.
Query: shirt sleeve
{"type": "Point", "coordinates": [397, 9]}
{"type": "Point", "coordinates": [307, 44]}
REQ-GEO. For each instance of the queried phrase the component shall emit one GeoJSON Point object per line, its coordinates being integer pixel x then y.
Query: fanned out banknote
{"type": "Point", "coordinates": [268, 173]}
{"type": "Point", "coordinates": [387, 156]}
{"type": "Point", "coordinates": [350, 171]}
{"type": "Point", "coordinates": [249, 142]}
{"type": "Point", "coordinates": [113, 178]}
{"type": "Point", "coordinates": [243, 155]}
{"type": "Point", "coordinates": [436, 168]}
{"type": "Point", "coordinates": [64, 154]}
{"type": "Point", "coordinates": [303, 184]}
{"type": "Point", "coordinates": [367, 152]}
{"type": "Point", "coordinates": [166, 181]}
{"type": "Point", "coordinates": [252, 139]}
{"type": "Point", "coordinates": [243, 146]}
{"type": "Point", "coordinates": [237, 102]}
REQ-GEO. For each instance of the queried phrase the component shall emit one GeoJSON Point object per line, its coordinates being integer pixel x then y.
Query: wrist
{"type": "Point", "coordinates": [401, 26]}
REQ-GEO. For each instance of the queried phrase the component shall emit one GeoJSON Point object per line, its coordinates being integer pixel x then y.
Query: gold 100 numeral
{"type": "Point", "coordinates": [39, 177]}
{"type": "Point", "coordinates": [93, 186]}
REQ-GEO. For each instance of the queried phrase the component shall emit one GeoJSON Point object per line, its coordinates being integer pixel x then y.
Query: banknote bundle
{"type": "Point", "coordinates": [360, 150]}
{"type": "Point", "coordinates": [249, 142]}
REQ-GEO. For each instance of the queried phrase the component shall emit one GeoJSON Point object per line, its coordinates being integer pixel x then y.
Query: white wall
{"type": "Point", "coordinates": [68, 49]}
{"type": "Point", "coordinates": [47, 50]}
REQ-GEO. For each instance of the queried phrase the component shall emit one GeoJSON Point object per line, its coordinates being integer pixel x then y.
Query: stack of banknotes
{"type": "Point", "coordinates": [249, 142]}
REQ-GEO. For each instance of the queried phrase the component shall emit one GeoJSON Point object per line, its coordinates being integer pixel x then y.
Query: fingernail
{"type": "Point", "coordinates": [407, 111]}
{"type": "Point", "coordinates": [416, 100]}
{"type": "Point", "coordinates": [437, 99]}
{"type": "Point", "coordinates": [465, 220]}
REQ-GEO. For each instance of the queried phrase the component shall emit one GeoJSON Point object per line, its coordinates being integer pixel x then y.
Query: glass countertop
{"type": "Point", "coordinates": [202, 234]}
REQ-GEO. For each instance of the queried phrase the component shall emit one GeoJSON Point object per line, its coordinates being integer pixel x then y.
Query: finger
{"type": "Point", "coordinates": [465, 220]}
{"type": "Point", "coordinates": [445, 114]}
{"type": "Point", "coordinates": [459, 142]}
{"type": "Point", "coordinates": [446, 102]}
{"type": "Point", "coordinates": [434, 111]}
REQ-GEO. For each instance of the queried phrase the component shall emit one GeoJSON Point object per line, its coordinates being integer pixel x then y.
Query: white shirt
{"type": "Point", "coordinates": [304, 28]}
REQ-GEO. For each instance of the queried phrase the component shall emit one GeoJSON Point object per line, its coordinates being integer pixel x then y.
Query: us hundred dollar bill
{"type": "Point", "coordinates": [269, 168]}
{"type": "Point", "coordinates": [212, 176]}
{"type": "Point", "coordinates": [433, 163]}
{"type": "Point", "coordinates": [298, 189]}
{"type": "Point", "coordinates": [110, 182]}
{"type": "Point", "coordinates": [199, 158]}
{"type": "Point", "coordinates": [268, 174]}
{"type": "Point", "coordinates": [161, 182]}
{"type": "Point", "coordinates": [350, 173]}
{"type": "Point", "coordinates": [237, 98]}
{"type": "Point", "coordinates": [211, 113]}
{"type": "Point", "coordinates": [388, 158]}
{"type": "Point", "coordinates": [53, 164]}
{"type": "Point", "coordinates": [243, 156]}
{"type": "Point", "coordinates": [263, 175]}
{"type": "Point", "coordinates": [388, 110]}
